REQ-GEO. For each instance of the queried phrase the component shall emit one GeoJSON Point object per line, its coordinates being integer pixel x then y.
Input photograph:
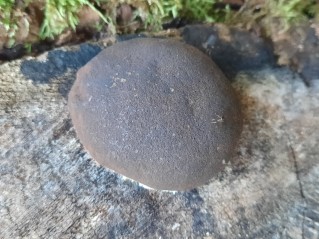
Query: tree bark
{"type": "Point", "coordinates": [51, 188]}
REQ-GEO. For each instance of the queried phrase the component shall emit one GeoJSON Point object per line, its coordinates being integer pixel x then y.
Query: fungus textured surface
{"type": "Point", "coordinates": [157, 111]}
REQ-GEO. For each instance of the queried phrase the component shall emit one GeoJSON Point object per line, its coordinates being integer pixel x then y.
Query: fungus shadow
{"type": "Point", "coordinates": [56, 64]}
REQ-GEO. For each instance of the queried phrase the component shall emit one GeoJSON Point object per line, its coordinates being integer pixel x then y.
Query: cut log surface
{"type": "Point", "coordinates": [51, 188]}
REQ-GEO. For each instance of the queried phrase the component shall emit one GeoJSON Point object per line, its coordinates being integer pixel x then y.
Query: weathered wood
{"type": "Point", "coordinates": [51, 188]}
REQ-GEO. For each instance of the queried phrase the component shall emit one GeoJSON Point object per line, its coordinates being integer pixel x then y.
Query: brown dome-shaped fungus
{"type": "Point", "coordinates": [157, 111]}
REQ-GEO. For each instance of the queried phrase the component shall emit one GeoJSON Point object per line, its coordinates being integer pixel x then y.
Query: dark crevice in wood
{"type": "Point", "coordinates": [297, 172]}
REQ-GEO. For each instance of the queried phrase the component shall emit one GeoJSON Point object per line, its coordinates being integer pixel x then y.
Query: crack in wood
{"type": "Point", "coordinates": [297, 172]}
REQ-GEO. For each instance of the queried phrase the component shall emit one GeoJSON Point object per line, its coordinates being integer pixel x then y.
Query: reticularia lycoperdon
{"type": "Point", "coordinates": [157, 111]}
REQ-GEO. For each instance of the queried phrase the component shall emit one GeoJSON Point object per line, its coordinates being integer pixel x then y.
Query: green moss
{"type": "Point", "coordinates": [7, 21]}
{"type": "Point", "coordinates": [6, 8]}
{"type": "Point", "coordinates": [158, 12]}
{"type": "Point", "coordinates": [60, 15]}
{"type": "Point", "coordinates": [203, 10]}
{"type": "Point", "coordinates": [280, 15]}
{"type": "Point", "coordinates": [288, 12]}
